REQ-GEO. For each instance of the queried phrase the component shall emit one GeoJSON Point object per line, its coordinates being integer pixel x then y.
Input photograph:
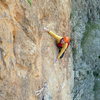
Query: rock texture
{"type": "Point", "coordinates": [85, 19]}
{"type": "Point", "coordinates": [28, 70]}
{"type": "Point", "coordinates": [27, 53]}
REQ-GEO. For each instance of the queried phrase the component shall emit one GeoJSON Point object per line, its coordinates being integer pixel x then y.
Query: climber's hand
{"type": "Point", "coordinates": [46, 29]}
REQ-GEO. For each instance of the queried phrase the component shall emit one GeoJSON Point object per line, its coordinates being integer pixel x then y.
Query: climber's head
{"type": "Point", "coordinates": [65, 40]}
{"type": "Point", "coordinates": [62, 41]}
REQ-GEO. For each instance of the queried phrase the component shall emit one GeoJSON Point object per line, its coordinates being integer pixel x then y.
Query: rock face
{"type": "Point", "coordinates": [28, 70]}
{"type": "Point", "coordinates": [85, 19]}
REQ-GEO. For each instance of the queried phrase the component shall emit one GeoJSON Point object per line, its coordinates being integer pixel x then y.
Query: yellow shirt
{"type": "Point", "coordinates": [58, 38]}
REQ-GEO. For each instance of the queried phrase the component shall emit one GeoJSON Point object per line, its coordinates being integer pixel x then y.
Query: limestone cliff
{"type": "Point", "coordinates": [27, 53]}
{"type": "Point", "coordinates": [28, 70]}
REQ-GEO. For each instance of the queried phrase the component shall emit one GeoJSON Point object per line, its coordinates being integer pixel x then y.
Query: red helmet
{"type": "Point", "coordinates": [66, 39]}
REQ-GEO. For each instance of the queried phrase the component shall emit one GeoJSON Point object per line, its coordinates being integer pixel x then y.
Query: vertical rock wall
{"type": "Point", "coordinates": [27, 53]}
{"type": "Point", "coordinates": [85, 18]}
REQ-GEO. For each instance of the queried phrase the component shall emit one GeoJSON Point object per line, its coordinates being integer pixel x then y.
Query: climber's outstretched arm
{"type": "Point", "coordinates": [62, 50]}
{"type": "Point", "coordinates": [58, 38]}
{"type": "Point", "coordinates": [54, 35]}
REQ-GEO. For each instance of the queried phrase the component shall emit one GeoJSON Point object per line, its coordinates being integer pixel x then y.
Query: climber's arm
{"type": "Point", "coordinates": [58, 38]}
{"type": "Point", "coordinates": [54, 35]}
{"type": "Point", "coordinates": [62, 50]}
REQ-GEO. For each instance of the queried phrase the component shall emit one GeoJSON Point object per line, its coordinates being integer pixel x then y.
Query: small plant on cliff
{"type": "Point", "coordinates": [30, 2]}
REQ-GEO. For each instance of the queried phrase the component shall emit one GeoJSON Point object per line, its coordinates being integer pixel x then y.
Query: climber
{"type": "Point", "coordinates": [62, 43]}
